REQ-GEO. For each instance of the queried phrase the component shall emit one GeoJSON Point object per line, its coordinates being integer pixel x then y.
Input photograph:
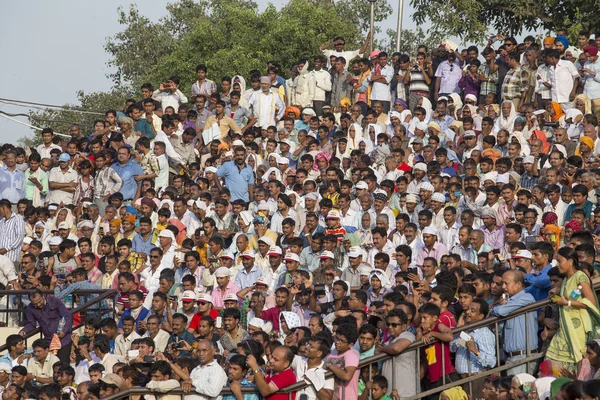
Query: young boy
{"type": "Point", "coordinates": [237, 378]}
{"type": "Point", "coordinates": [136, 309]}
{"type": "Point", "coordinates": [432, 327]}
{"type": "Point", "coordinates": [379, 386]}
{"type": "Point", "coordinates": [466, 294]}
{"type": "Point", "coordinates": [163, 164]}
{"type": "Point", "coordinates": [343, 362]}
{"type": "Point", "coordinates": [163, 216]}
{"type": "Point", "coordinates": [367, 373]}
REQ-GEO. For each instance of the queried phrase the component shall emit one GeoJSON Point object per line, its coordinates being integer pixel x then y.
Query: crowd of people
{"type": "Point", "coordinates": [264, 235]}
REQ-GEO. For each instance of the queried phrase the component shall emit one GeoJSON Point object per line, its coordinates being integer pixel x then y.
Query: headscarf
{"type": "Point", "coordinates": [558, 112]}
{"type": "Point", "coordinates": [557, 385]}
{"type": "Point", "coordinates": [573, 225]}
{"type": "Point", "coordinates": [277, 157]}
{"type": "Point", "coordinates": [587, 102]}
{"type": "Point", "coordinates": [265, 177]}
{"type": "Point", "coordinates": [522, 379]}
{"type": "Point", "coordinates": [491, 153]}
{"type": "Point", "coordinates": [404, 114]}
{"type": "Point", "coordinates": [555, 231]}
{"type": "Point", "coordinates": [382, 276]}
{"type": "Point", "coordinates": [291, 319]}
{"type": "Point", "coordinates": [345, 102]}
{"type": "Point", "coordinates": [586, 140]}
{"type": "Point", "coordinates": [525, 150]}
{"type": "Point", "coordinates": [543, 387]}
{"type": "Point", "coordinates": [455, 393]}
{"type": "Point", "coordinates": [358, 134]}
{"type": "Point", "coordinates": [292, 109]}
{"type": "Point", "coordinates": [377, 130]}
{"type": "Point", "coordinates": [517, 178]}
{"type": "Point", "coordinates": [507, 122]}
{"type": "Point", "coordinates": [369, 145]}
{"type": "Point", "coordinates": [457, 102]}
{"type": "Point", "coordinates": [550, 218]}
{"type": "Point", "coordinates": [575, 52]}
{"type": "Point", "coordinates": [537, 134]}
{"type": "Point", "coordinates": [182, 235]}
{"type": "Point", "coordinates": [573, 114]}
{"type": "Point", "coordinates": [321, 156]}
{"type": "Point", "coordinates": [426, 104]}
{"type": "Point", "coordinates": [246, 216]}
{"type": "Point", "coordinates": [241, 80]}
{"type": "Point", "coordinates": [256, 161]}
{"type": "Point", "coordinates": [169, 203]}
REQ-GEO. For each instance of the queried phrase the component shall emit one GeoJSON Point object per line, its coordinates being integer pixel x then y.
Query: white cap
{"type": "Point", "coordinates": [420, 166]}
{"type": "Point", "coordinates": [262, 205]}
{"type": "Point", "coordinates": [528, 160]}
{"type": "Point", "coordinates": [54, 241]}
{"type": "Point", "coordinates": [222, 272]}
{"type": "Point", "coordinates": [204, 297]}
{"type": "Point", "coordinates": [6, 367]}
{"type": "Point", "coordinates": [210, 169]}
{"type": "Point", "coordinates": [27, 240]}
{"type": "Point", "coordinates": [333, 214]}
{"type": "Point", "coordinates": [263, 280]}
{"type": "Point", "coordinates": [309, 111]}
{"type": "Point", "coordinates": [289, 256]}
{"type": "Point", "coordinates": [190, 202]}
{"type": "Point", "coordinates": [522, 254]}
{"type": "Point", "coordinates": [327, 254]}
{"type": "Point", "coordinates": [258, 323]}
{"type": "Point", "coordinates": [248, 254]}
{"type": "Point", "coordinates": [238, 142]}
{"type": "Point", "coordinates": [354, 252]}
{"type": "Point", "coordinates": [283, 160]}
{"type": "Point", "coordinates": [361, 185]}
{"type": "Point", "coordinates": [188, 295]}
{"type": "Point", "coordinates": [63, 225]}
{"type": "Point", "coordinates": [275, 251]}
{"type": "Point", "coordinates": [231, 297]}
{"type": "Point", "coordinates": [503, 178]}
{"type": "Point", "coordinates": [426, 186]}
{"type": "Point", "coordinates": [312, 195]}
{"type": "Point", "coordinates": [267, 240]}
{"type": "Point", "coordinates": [166, 233]}
{"type": "Point", "coordinates": [430, 230]}
{"type": "Point", "coordinates": [227, 254]}
{"type": "Point", "coordinates": [437, 196]}
{"type": "Point", "coordinates": [364, 270]}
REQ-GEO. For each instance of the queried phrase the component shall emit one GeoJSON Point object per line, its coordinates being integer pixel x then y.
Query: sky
{"type": "Point", "coordinates": [59, 50]}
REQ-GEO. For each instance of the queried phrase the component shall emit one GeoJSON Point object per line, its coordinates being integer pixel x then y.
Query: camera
{"type": "Point", "coordinates": [149, 359]}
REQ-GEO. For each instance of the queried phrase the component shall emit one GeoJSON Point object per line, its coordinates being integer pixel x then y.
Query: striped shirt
{"type": "Point", "coordinates": [107, 182]}
{"type": "Point", "coordinates": [466, 361]}
{"type": "Point", "coordinates": [11, 239]}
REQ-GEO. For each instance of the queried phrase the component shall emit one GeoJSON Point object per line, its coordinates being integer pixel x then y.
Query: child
{"type": "Point", "coordinates": [378, 386]}
{"type": "Point", "coordinates": [432, 327]}
{"type": "Point", "coordinates": [367, 373]}
{"type": "Point", "coordinates": [163, 217]}
{"type": "Point", "coordinates": [466, 294]}
{"type": "Point", "coordinates": [343, 362]}
{"type": "Point", "coordinates": [442, 296]}
{"type": "Point", "coordinates": [237, 378]}
{"type": "Point", "coordinates": [162, 179]}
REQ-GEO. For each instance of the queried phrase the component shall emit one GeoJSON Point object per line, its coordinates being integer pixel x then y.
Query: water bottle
{"type": "Point", "coordinates": [61, 325]}
{"type": "Point", "coordinates": [576, 293]}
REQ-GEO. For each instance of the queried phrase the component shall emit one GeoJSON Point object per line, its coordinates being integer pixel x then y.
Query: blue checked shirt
{"type": "Point", "coordinates": [247, 396]}
{"type": "Point", "coordinates": [486, 344]}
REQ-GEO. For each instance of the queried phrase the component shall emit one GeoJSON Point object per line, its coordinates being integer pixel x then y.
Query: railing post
{"type": "Point", "coordinates": [469, 371]}
{"type": "Point", "coordinates": [497, 333]}
{"type": "Point", "coordinates": [443, 363]}
{"type": "Point", "coordinates": [394, 371]}
{"type": "Point", "coordinates": [370, 378]}
{"type": "Point", "coordinates": [527, 350]}
{"type": "Point", "coordinates": [418, 374]}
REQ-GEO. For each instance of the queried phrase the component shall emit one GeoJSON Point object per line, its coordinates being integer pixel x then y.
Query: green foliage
{"type": "Point", "coordinates": [358, 13]}
{"type": "Point", "coordinates": [61, 120]}
{"type": "Point", "coordinates": [472, 20]}
{"type": "Point", "coordinates": [410, 40]}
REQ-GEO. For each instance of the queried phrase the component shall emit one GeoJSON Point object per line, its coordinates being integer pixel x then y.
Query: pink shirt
{"type": "Point", "coordinates": [349, 359]}
{"type": "Point", "coordinates": [94, 275]}
{"type": "Point", "coordinates": [218, 295]}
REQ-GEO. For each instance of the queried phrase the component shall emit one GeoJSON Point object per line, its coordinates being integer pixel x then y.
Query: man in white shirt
{"type": "Point", "coordinates": [563, 79]}
{"type": "Point", "coordinates": [338, 44]}
{"type": "Point", "coordinates": [168, 129]}
{"type": "Point", "coordinates": [169, 94]}
{"type": "Point", "coordinates": [320, 80]}
{"type": "Point", "coordinates": [267, 106]}
{"type": "Point", "coordinates": [208, 378]}
{"type": "Point", "coordinates": [381, 76]}
{"type": "Point", "coordinates": [46, 147]}
{"type": "Point", "coordinates": [62, 181]}
{"type": "Point", "coordinates": [124, 340]}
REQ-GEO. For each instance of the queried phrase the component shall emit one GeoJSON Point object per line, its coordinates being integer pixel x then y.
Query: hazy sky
{"type": "Point", "coordinates": [58, 49]}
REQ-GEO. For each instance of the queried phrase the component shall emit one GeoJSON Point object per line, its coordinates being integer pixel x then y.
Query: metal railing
{"type": "Point", "coordinates": [532, 355]}
{"type": "Point", "coordinates": [103, 295]}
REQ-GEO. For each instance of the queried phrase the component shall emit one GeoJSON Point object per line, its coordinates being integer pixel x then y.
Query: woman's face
{"type": "Point", "coordinates": [506, 109]}
{"type": "Point", "coordinates": [62, 215]}
{"type": "Point", "coordinates": [272, 162]}
{"type": "Point", "coordinates": [322, 163]}
{"type": "Point", "coordinates": [580, 105]}
{"type": "Point", "coordinates": [362, 147]}
{"type": "Point", "coordinates": [251, 162]}
{"type": "Point", "coordinates": [593, 358]}
{"type": "Point", "coordinates": [584, 148]}
{"type": "Point", "coordinates": [352, 131]}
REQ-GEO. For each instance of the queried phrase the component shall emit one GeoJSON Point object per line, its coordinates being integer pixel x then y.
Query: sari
{"type": "Point", "coordinates": [576, 328]}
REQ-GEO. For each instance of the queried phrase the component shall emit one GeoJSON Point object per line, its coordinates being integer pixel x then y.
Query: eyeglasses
{"type": "Point", "coordinates": [329, 274]}
{"type": "Point", "coordinates": [202, 303]}
{"type": "Point", "coordinates": [393, 325]}
{"type": "Point", "coordinates": [154, 256]}
{"type": "Point", "coordinates": [336, 339]}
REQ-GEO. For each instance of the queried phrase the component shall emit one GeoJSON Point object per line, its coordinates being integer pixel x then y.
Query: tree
{"type": "Point", "coordinates": [409, 40]}
{"type": "Point", "coordinates": [358, 12]}
{"type": "Point", "coordinates": [472, 20]}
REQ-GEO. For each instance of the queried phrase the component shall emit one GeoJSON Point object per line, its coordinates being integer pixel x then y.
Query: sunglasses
{"type": "Point", "coordinates": [393, 325]}
{"type": "Point", "coordinates": [202, 303]}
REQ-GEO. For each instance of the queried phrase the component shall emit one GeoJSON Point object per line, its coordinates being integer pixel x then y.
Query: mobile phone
{"type": "Point", "coordinates": [413, 271]}
{"type": "Point", "coordinates": [219, 322]}
{"type": "Point", "coordinates": [320, 290]}
{"type": "Point", "coordinates": [133, 354]}
{"type": "Point", "coordinates": [149, 359]}
{"type": "Point", "coordinates": [174, 298]}
{"type": "Point", "coordinates": [505, 296]}
{"type": "Point", "coordinates": [465, 336]}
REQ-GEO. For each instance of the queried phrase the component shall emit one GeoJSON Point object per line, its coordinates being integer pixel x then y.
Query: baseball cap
{"type": "Point", "coordinates": [231, 297]}
{"type": "Point", "coordinates": [113, 380]}
{"type": "Point", "coordinates": [249, 254]}
{"type": "Point", "coordinates": [227, 254]}
{"type": "Point", "coordinates": [267, 240]}
{"type": "Point", "coordinates": [275, 251]}
{"type": "Point", "coordinates": [327, 254]}
{"type": "Point", "coordinates": [361, 185]}
{"type": "Point", "coordinates": [64, 225]}
{"type": "Point", "coordinates": [263, 280]}
{"type": "Point", "coordinates": [188, 296]}
{"type": "Point", "coordinates": [166, 233]}
{"type": "Point", "coordinates": [333, 214]}
{"type": "Point", "coordinates": [354, 252]}
{"type": "Point", "coordinates": [291, 257]}
{"type": "Point", "coordinates": [522, 254]}
{"type": "Point", "coordinates": [204, 298]}
{"type": "Point", "coordinates": [257, 322]}
{"type": "Point", "coordinates": [64, 157]}
{"type": "Point", "coordinates": [54, 241]}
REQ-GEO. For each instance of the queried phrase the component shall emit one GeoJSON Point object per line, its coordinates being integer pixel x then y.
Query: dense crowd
{"type": "Point", "coordinates": [279, 232]}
